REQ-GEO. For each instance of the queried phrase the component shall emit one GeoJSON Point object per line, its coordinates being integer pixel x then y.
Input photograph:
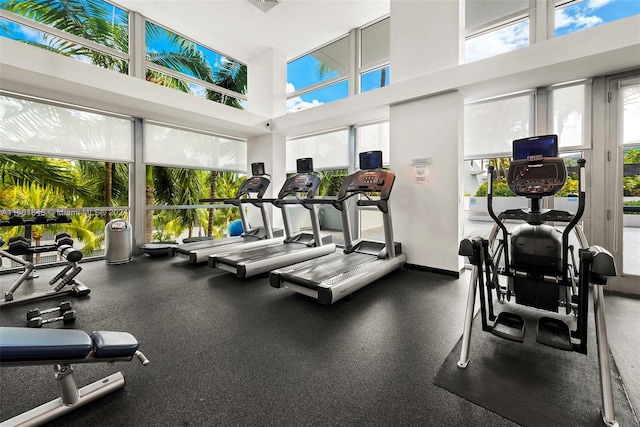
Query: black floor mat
{"type": "Point", "coordinates": [530, 383]}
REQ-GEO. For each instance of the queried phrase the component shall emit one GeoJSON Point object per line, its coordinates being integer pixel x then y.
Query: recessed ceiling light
{"type": "Point", "coordinates": [263, 5]}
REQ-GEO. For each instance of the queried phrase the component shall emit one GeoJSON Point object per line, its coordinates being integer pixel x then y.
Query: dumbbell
{"type": "Point", "coordinates": [62, 218]}
{"type": "Point", "coordinates": [40, 218]}
{"type": "Point", "coordinates": [16, 220]}
{"type": "Point", "coordinates": [18, 245]}
{"type": "Point", "coordinates": [63, 239]}
{"type": "Point", "coordinates": [67, 317]}
{"type": "Point", "coordinates": [70, 253]}
{"type": "Point", "coordinates": [62, 308]}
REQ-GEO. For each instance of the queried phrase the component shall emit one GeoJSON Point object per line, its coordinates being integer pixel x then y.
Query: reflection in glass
{"type": "Point", "coordinates": [581, 15]}
{"type": "Point", "coordinates": [504, 39]}
{"type": "Point", "coordinates": [318, 97]}
{"type": "Point", "coordinates": [318, 66]}
{"type": "Point", "coordinates": [374, 79]}
{"type": "Point", "coordinates": [630, 140]}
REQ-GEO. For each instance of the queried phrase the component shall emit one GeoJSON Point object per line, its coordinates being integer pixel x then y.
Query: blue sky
{"type": "Point", "coordinates": [303, 72]}
{"type": "Point", "coordinates": [579, 16]}
{"type": "Point", "coordinates": [582, 15]}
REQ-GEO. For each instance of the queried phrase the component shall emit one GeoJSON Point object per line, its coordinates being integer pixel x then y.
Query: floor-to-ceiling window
{"type": "Point", "coordinates": [184, 166]}
{"type": "Point", "coordinates": [61, 160]}
{"type": "Point", "coordinates": [623, 178]}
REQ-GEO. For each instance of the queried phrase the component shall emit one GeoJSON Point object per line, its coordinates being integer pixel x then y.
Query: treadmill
{"type": "Point", "coordinates": [257, 184]}
{"type": "Point", "coordinates": [296, 247]}
{"type": "Point", "coordinates": [335, 276]}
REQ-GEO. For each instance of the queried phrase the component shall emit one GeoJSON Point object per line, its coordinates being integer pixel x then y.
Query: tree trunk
{"type": "Point", "coordinates": [148, 223]}
{"type": "Point", "coordinates": [108, 189]}
{"type": "Point", "coordinates": [212, 194]}
{"type": "Point", "coordinates": [383, 76]}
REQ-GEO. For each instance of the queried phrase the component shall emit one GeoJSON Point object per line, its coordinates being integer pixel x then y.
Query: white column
{"type": "Point", "coordinates": [267, 84]}
{"type": "Point", "coordinates": [267, 87]}
{"type": "Point", "coordinates": [271, 150]}
{"type": "Point", "coordinates": [427, 217]}
{"type": "Point", "coordinates": [426, 36]}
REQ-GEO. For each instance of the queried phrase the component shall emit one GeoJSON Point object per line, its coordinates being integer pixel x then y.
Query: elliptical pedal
{"type": "Point", "coordinates": [554, 333]}
{"type": "Point", "coordinates": [509, 326]}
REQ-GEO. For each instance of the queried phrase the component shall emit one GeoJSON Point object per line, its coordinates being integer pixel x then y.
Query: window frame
{"type": "Point", "coordinates": [182, 76]}
{"type": "Point", "coordinates": [43, 28]}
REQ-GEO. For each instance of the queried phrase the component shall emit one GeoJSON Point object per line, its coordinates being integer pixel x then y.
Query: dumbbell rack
{"type": "Point", "coordinates": [77, 288]}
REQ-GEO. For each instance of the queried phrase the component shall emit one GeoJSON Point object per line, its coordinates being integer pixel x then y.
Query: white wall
{"type": "Point", "coordinates": [269, 149]}
{"type": "Point", "coordinates": [427, 218]}
{"type": "Point", "coordinates": [267, 84]}
{"type": "Point", "coordinates": [425, 37]}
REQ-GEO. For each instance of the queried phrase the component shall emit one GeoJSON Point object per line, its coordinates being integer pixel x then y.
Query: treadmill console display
{"type": "Point", "coordinates": [300, 183]}
{"type": "Point", "coordinates": [541, 178]}
{"type": "Point", "coordinates": [257, 169]}
{"type": "Point", "coordinates": [369, 181]}
{"type": "Point", "coordinates": [304, 165]}
{"type": "Point", "coordinates": [371, 160]}
{"type": "Point", "coordinates": [254, 184]}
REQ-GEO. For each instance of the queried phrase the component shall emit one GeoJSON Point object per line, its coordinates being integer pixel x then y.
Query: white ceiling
{"type": "Point", "coordinates": [240, 30]}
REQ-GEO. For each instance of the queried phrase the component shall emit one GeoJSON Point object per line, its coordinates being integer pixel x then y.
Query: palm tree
{"type": "Point", "coordinates": [90, 19]}
{"type": "Point", "coordinates": [112, 190]}
{"type": "Point", "coordinates": [232, 76]}
{"type": "Point", "coordinates": [22, 170]}
{"type": "Point", "coordinates": [35, 197]}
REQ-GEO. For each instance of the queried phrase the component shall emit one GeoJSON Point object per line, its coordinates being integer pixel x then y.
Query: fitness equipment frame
{"type": "Point", "coordinates": [296, 247]}
{"type": "Point", "coordinates": [335, 276]}
{"type": "Point", "coordinates": [62, 348]}
{"type": "Point", "coordinates": [66, 277]}
{"type": "Point", "coordinates": [257, 184]}
{"type": "Point", "coordinates": [539, 265]}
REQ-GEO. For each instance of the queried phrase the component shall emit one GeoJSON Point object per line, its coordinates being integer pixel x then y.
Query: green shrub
{"type": "Point", "coordinates": [631, 186]}
{"type": "Point", "coordinates": [501, 189]}
{"type": "Point", "coordinates": [635, 203]}
{"type": "Point", "coordinates": [570, 187]}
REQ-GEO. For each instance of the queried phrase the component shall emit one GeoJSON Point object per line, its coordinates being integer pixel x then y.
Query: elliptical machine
{"type": "Point", "coordinates": [539, 265]}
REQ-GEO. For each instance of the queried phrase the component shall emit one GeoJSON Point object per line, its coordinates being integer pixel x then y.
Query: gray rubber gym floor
{"type": "Point", "coordinates": [231, 352]}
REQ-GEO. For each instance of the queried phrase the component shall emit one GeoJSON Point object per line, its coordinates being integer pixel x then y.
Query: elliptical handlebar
{"type": "Point", "coordinates": [492, 214]}
{"type": "Point", "coordinates": [582, 196]}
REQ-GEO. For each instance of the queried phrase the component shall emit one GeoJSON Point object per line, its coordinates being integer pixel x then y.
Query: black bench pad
{"type": "Point", "coordinates": [31, 345]}
{"type": "Point", "coordinates": [114, 344]}
{"type": "Point", "coordinates": [35, 345]}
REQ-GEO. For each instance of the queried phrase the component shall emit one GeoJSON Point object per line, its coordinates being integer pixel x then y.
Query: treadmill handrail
{"type": "Point", "coordinates": [216, 200]}
{"type": "Point", "coordinates": [335, 202]}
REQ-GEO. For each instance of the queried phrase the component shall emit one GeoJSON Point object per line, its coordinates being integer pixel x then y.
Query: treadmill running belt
{"type": "Point", "coordinates": [324, 268]}
{"type": "Point", "coordinates": [259, 253]}
{"type": "Point", "coordinates": [187, 248]}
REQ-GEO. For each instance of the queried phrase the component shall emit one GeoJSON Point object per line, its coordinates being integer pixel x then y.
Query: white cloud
{"type": "Point", "coordinates": [580, 21]}
{"type": "Point", "coordinates": [297, 103]}
{"type": "Point", "coordinates": [496, 42]}
{"type": "Point", "coordinates": [594, 4]}
{"type": "Point", "coordinates": [25, 33]}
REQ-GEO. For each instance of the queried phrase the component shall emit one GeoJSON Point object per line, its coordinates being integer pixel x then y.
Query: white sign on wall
{"type": "Point", "coordinates": [420, 170]}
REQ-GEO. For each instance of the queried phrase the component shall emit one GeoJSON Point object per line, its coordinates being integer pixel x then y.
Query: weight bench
{"type": "Point", "coordinates": [62, 347]}
{"type": "Point", "coordinates": [63, 283]}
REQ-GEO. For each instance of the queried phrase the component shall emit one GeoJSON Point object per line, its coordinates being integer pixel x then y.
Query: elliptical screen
{"type": "Point", "coordinates": [545, 146]}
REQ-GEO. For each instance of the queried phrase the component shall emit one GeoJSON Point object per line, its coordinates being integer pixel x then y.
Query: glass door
{"type": "Point", "coordinates": [623, 203]}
